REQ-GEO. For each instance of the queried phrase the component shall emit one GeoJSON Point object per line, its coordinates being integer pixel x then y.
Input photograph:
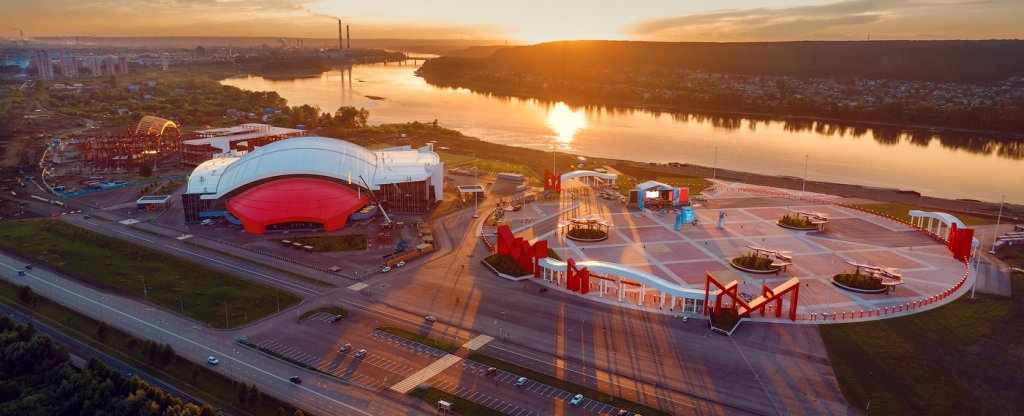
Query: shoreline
{"type": "Point", "coordinates": [484, 88]}
{"type": "Point", "coordinates": [542, 159]}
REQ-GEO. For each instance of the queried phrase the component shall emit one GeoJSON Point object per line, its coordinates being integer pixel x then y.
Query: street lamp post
{"type": "Point", "coordinates": [476, 181]}
{"type": "Point", "coordinates": [714, 169]}
{"type": "Point", "coordinates": [995, 234]}
{"type": "Point", "coordinates": [806, 159]}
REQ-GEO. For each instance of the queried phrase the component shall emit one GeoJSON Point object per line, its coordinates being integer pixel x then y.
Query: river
{"type": "Point", "coordinates": [947, 166]}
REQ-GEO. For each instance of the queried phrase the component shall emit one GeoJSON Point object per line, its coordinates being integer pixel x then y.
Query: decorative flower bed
{"type": "Point", "coordinates": [752, 263]}
{"type": "Point", "coordinates": [858, 282]}
{"type": "Point", "coordinates": [796, 222]}
{"type": "Point", "coordinates": [587, 234]}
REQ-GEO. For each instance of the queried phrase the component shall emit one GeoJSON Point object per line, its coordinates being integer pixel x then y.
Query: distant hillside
{"type": "Point", "coordinates": [476, 51]}
{"type": "Point", "coordinates": [941, 61]}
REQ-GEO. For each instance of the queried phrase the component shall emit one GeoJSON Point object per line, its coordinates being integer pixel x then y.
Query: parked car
{"type": "Point", "coordinates": [21, 272]}
{"type": "Point", "coordinates": [400, 264]}
{"type": "Point", "coordinates": [213, 360]}
{"type": "Point", "coordinates": [295, 379]}
{"type": "Point", "coordinates": [491, 371]}
{"type": "Point", "coordinates": [206, 222]}
{"type": "Point", "coordinates": [576, 400]}
{"type": "Point", "coordinates": [361, 353]}
{"type": "Point", "coordinates": [430, 318]}
{"type": "Point", "coordinates": [28, 266]}
{"type": "Point", "coordinates": [385, 269]}
{"type": "Point", "coordinates": [521, 381]}
{"type": "Point", "coordinates": [345, 348]}
{"type": "Point", "coordinates": [336, 318]}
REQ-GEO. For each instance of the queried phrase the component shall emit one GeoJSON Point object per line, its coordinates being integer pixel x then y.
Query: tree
{"type": "Point", "coordinates": [145, 170]}
{"type": "Point", "coordinates": [299, 412]}
{"type": "Point", "coordinates": [27, 296]}
{"type": "Point", "coordinates": [280, 411]}
{"type": "Point", "coordinates": [243, 394]}
{"type": "Point", "coordinates": [103, 330]}
{"type": "Point", "coordinates": [254, 395]}
{"type": "Point", "coordinates": [195, 373]}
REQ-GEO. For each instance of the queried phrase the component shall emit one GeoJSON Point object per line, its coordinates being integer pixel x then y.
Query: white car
{"type": "Point", "coordinates": [385, 269]}
{"type": "Point", "coordinates": [430, 318]}
{"type": "Point", "coordinates": [360, 353]}
{"type": "Point", "coordinates": [213, 360]}
{"type": "Point", "coordinates": [400, 264]}
{"type": "Point", "coordinates": [576, 400]}
{"type": "Point", "coordinates": [206, 222]}
{"type": "Point", "coordinates": [521, 381]}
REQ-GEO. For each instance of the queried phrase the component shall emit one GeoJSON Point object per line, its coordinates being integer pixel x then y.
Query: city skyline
{"type": "Point", "coordinates": [528, 21]}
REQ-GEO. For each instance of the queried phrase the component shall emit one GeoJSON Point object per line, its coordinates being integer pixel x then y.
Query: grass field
{"type": "Point", "coordinates": [696, 185]}
{"type": "Point", "coordinates": [422, 339]}
{"type": "Point", "coordinates": [350, 242]}
{"type": "Point", "coordinates": [963, 358]}
{"type": "Point", "coordinates": [453, 159]}
{"type": "Point", "coordinates": [459, 405]}
{"type": "Point", "coordinates": [1012, 255]}
{"type": "Point", "coordinates": [565, 385]}
{"type": "Point", "coordinates": [209, 386]}
{"type": "Point", "coordinates": [179, 285]}
{"type": "Point", "coordinates": [900, 211]}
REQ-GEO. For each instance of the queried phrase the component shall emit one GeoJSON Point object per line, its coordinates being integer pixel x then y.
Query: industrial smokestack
{"type": "Point", "coordinates": [339, 35]}
{"type": "Point", "coordinates": [348, 35]}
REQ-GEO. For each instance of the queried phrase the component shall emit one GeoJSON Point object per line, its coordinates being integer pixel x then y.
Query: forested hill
{"type": "Point", "coordinates": [936, 61]}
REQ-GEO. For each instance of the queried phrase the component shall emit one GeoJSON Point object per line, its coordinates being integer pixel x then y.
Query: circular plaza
{"type": "Point", "coordinates": [652, 260]}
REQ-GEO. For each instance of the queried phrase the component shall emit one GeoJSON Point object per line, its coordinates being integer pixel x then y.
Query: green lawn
{"type": "Point", "coordinates": [453, 159]}
{"type": "Point", "coordinates": [1012, 255]}
{"type": "Point", "coordinates": [209, 386]}
{"type": "Point", "coordinates": [459, 405]}
{"type": "Point", "coordinates": [422, 339]}
{"type": "Point", "coordinates": [498, 166]}
{"type": "Point", "coordinates": [900, 211]}
{"type": "Point", "coordinates": [962, 358]}
{"type": "Point", "coordinates": [194, 290]}
{"type": "Point", "coordinates": [570, 387]}
{"type": "Point", "coordinates": [696, 185]}
{"type": "Point", "coordinates": [350, 242]}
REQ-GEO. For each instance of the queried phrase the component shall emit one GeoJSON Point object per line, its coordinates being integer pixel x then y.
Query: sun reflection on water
{"type": "Point", "coordinates": [565, 122]}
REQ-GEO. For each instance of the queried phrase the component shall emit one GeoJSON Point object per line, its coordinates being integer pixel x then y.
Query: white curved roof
{"type": "Point", "coordinates": [947, 220]}
{"type": "Point", "coordinates": [581, 173]}
{"type": "Point", "coordinates": [628, 272]}
{"type": "Point", "coordinates": [320, 156]}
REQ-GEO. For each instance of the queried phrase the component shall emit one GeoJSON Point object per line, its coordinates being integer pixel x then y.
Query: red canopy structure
{"type": "Point", "coordinates": [296, 200]}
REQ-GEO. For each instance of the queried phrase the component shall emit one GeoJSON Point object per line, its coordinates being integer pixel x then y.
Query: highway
{"type": "Point", "coordinates": [319, 394]}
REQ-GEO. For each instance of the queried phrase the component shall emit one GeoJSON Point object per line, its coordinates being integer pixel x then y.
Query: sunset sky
{"type": "Point", "coordinates": [527, 21]}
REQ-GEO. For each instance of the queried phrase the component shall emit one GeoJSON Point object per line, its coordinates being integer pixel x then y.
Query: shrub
{"type": "Point", "coordinates": [858, 280]}
{"type": "Point", "coordinates": [753, 261]}
{"type": "Point", "coordinates": [796, 221]}
{"type": "Point", "coordinates": [587, 233]}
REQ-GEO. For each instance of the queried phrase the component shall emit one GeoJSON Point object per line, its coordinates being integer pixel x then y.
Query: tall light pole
{"type": "Point", "coordinates": [714, 169]}
{"type": "Point", "coordinates": [806, 159]}
{"type": "Point", "coordinates": [476, 181]}
{"type": "Point", "coordinates": [995, 234]}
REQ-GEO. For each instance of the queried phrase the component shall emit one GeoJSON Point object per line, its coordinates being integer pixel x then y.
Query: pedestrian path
{"type": "Point", "coordinates": [426, 373]}
{"type": "Point", "coordinates": [475, 343]}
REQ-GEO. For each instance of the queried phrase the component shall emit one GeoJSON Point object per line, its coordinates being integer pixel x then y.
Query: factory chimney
{"type": "Point", "coordinates": [348, 35]}
{"type": "Point", "coordinates": [339, 35]}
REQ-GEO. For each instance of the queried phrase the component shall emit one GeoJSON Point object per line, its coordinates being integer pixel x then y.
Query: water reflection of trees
{"type": "Point", "coordinates": [883, 135]}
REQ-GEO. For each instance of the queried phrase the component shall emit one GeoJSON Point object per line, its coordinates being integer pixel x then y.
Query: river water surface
{"type": "Point", "coordinates": [948, 166]}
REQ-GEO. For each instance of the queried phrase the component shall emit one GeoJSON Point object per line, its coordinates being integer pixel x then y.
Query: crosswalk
{"type": "Point", "coordinates": [320, 317]}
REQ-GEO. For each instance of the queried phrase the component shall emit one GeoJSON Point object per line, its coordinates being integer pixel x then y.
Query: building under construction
{"type": "Point", "coordinates": [151, 140]}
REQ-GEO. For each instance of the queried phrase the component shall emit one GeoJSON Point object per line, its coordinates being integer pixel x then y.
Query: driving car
{"type": "Point", "coordinates": [361, 353]}
{"type": "Point", "coordinates": [213, 360]}
{"type": "Point", "coordinates": [521, 381]}
{"type": "Point", "coordinates": [430, 318]}
{"type": "Point", "coordinates": [576, 400]}
{"type": "Point", "coordinates": [385, 269]}
{"type": "Point", "coordinates": [345, 348]}
{"type": "Point", "coordinates": [400, 264]}
{"type": "Point", "coordinates": [295, 379]}
{"type": "Point", "coordinates": [28, 266]}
